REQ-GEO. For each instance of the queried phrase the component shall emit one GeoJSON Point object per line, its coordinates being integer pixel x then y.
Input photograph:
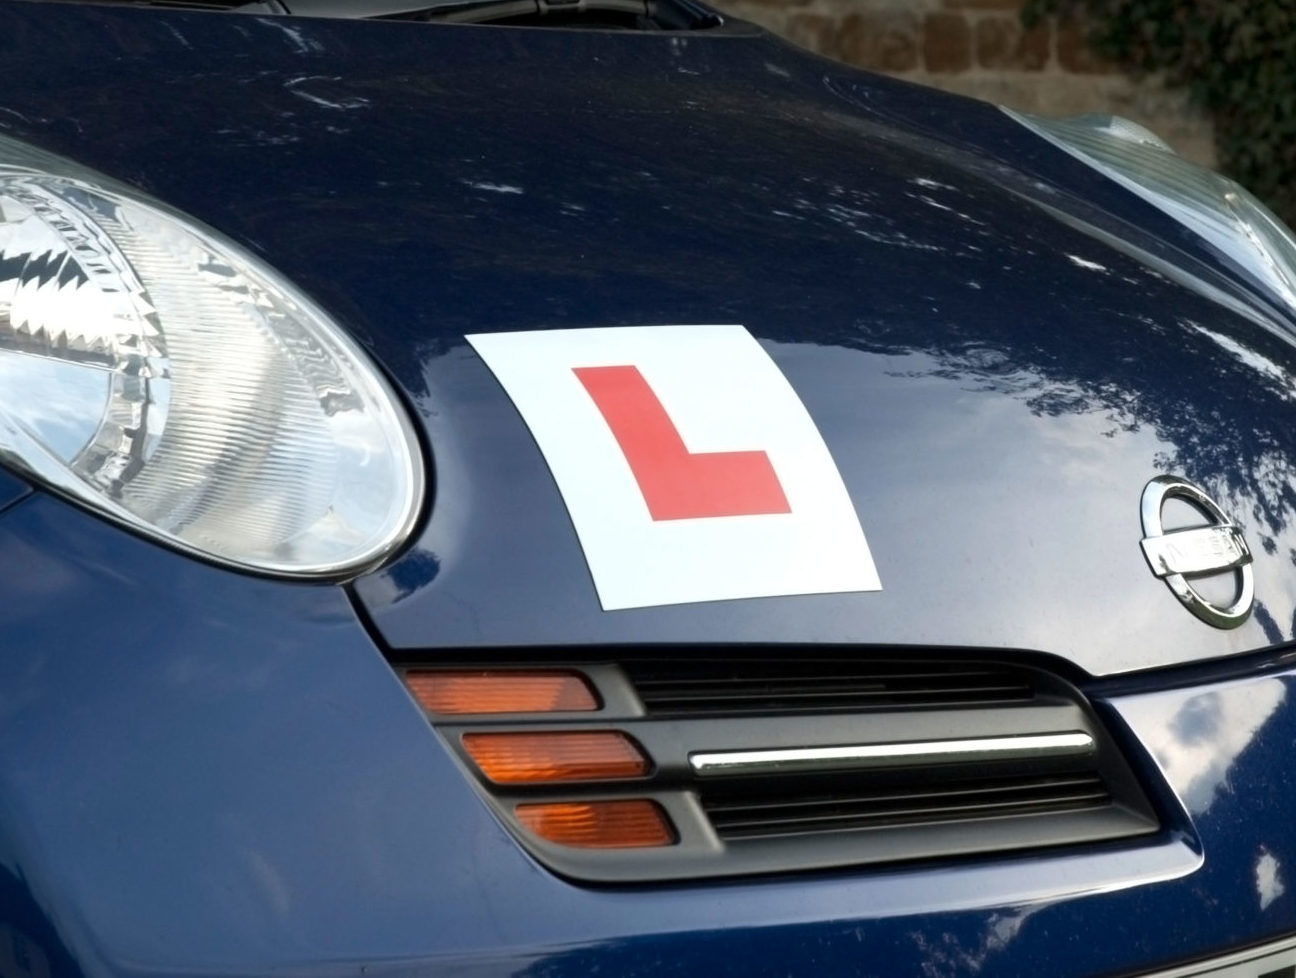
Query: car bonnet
{"type": "Point", "coordinates": [998, 349]}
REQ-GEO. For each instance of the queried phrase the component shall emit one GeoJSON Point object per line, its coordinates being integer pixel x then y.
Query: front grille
{"type": "Point", "coordinates": [800, 759]}
{"type": "Point", "coordinates": [769, 814]}
{"type": "Point", "coordinates": [761, 686]}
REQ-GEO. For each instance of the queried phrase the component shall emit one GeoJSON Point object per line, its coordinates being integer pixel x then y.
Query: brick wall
{"type": "Point", "coordinates": [979, 48]}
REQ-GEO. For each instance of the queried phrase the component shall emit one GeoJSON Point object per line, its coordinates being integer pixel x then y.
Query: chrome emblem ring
{"type": "Point", "coordinates": [1179, 556]}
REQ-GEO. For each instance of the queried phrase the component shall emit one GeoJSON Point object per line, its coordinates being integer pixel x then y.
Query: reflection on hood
{"type": "Point", "coordinates": [1205, 736]}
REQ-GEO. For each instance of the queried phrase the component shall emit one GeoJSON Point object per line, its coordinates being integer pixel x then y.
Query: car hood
{"type": "Point", "coordinates": [997, 358]}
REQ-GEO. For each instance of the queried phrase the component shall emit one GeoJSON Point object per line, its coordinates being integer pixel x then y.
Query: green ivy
{"type": "Point", "coordinates": [1237, 59]}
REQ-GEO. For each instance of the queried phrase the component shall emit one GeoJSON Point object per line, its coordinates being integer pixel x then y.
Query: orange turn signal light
{"type": "Point", "coordinates": [500, 692]}
{"type": "Point", "coordinates": [632, 824]}
{"type": "Point", "coordinates": [537, 758]}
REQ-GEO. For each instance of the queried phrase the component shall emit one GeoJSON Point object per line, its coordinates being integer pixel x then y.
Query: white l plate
{"type": "Point", "coordinates": [689, 466]}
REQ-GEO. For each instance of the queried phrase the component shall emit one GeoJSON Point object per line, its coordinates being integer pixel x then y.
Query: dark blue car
{"type": "Point", "coordinates": [559, 488]}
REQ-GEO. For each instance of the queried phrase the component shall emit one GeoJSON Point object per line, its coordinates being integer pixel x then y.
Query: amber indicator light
{"type": "Point", "coordinates": [451, 693]}
{"type": "Point", "coordinates": [630, 824]}
{"type": "Point", "coordinates": [538, 758]}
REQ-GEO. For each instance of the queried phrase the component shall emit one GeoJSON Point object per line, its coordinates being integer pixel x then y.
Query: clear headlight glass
{"type": "Point", "coordinates": [1213, 206]}
{"type": "Point", "coordinates": [173, 382]}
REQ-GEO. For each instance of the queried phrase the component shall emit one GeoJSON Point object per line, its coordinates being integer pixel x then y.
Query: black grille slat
{"type": "Point", "coordinates": [845, 821]}
{"type": "Point", "coordinates": [687, 687]}
{"type": "Point", "coordinates": [1082, 783]}
{"type": "Point", "coordinates": [744, 686]}
{"type": "Point", "coordinates": [817, 677]}
{"type": "Point", "coordinates": [702, 696]}
{"type": "Point", "coordinates": [753, 817]}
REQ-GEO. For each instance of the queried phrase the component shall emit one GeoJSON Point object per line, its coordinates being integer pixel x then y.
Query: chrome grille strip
{"type": "Point", "coordinates": [863, 757]}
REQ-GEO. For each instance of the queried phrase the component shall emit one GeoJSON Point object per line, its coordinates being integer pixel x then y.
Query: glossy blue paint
{"type": "Point", "coordinates": [211, 773]}
{"type": "Point", "coordinates": [977, 353]}
{"type": "Point", "coordinates": [11, 489]}
{"type": "Point", "coordinates": [204, 772]}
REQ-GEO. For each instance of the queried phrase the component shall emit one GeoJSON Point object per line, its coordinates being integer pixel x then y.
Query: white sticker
{"type": "Point", "coordinates": [690, 468]}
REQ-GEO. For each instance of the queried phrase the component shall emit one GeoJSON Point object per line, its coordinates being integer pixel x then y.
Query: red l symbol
{"type": "Point", "coordinates": [676, 483]}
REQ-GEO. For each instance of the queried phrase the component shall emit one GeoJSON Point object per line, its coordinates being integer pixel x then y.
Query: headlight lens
{"type": "Point", "coordinates": [173, 382]}
{"type": "Point", "coordinates": [1213, 206]}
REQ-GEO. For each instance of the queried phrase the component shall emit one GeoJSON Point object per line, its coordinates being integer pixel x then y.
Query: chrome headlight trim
{"type": "Point", "coordinates": [159, 374]}
{"type": "Point", "coordinates": [1218, 209]}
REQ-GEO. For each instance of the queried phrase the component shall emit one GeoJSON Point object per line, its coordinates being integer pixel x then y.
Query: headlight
{"type": "Point", "coordinates": [1213, 206]}
{"type": "Point", "coordinates": [169, 380]}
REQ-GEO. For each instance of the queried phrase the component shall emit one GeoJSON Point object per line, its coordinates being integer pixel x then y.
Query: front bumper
{"type": "Point", "coordinates": [208, 773]}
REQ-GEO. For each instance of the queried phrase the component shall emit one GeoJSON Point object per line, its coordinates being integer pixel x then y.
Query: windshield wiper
{"type": "Point", "coordinates": [662, 14]}
{"type": "Point", "coordinates": [350, 9]}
